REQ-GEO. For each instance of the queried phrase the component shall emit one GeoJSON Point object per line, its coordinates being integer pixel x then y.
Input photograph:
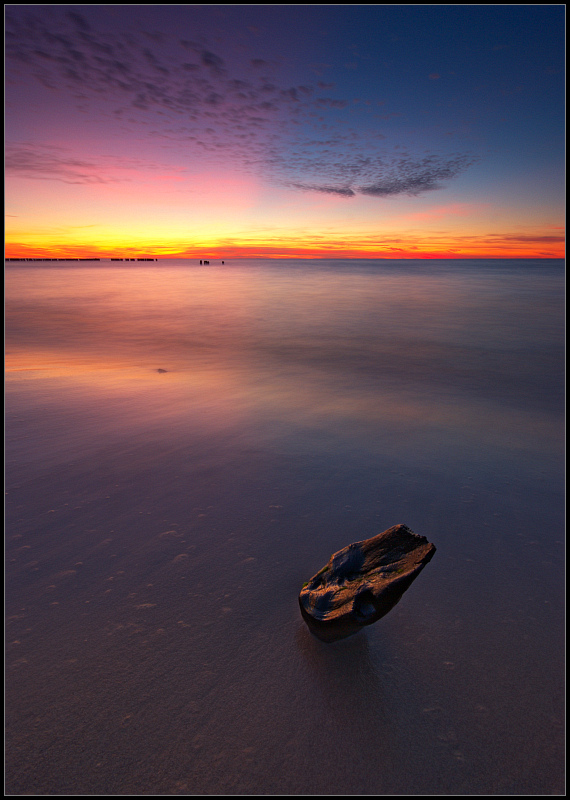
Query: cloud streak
{"type": "Point", "coordinates": [45, 162]}
{"type": "Point", "coordinates": [184, 91]}
{"type": "Point", "coordinates": [342, 192]}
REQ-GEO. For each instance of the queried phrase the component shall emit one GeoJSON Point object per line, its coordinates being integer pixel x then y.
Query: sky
{"type": "Point", "coordinates": [387, 131]}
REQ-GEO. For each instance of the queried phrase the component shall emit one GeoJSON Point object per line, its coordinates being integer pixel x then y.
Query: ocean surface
{"type": "Point", "coordinates": [186, 445]}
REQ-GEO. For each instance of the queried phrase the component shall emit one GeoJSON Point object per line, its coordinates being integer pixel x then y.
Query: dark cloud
{"type": "Point", "coordinates": [201, 103]}
{"type": "Point", "coordinates": [80, 21]}
{"type": "Point", "coordinates": [415, 177]}
{"type": "Point", "coordinates": [329, 102]}
{"type": "Point", "coordinates": [346, 192]}
{"type": "Point", "coordinates": [373, 176]}
{"type": "Point", "coordinates": [214, 62]}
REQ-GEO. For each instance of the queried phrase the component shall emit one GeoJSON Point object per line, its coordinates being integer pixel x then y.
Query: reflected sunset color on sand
{"type": "Point", "coordinates": [186, 445]}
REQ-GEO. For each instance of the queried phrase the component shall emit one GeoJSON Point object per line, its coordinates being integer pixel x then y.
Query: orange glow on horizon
{"type": "Point", "coordinates": [470, 247]}
{"type": "Point", "coordinates": [227, 215]}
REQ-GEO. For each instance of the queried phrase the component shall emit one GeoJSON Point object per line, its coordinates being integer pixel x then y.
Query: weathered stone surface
{"type": "Point", "coordinates": [362, 582]}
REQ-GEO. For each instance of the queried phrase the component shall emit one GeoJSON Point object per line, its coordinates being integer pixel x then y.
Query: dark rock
{"type": "Point", "coordinates": [362, 582]}
{"type": "Point", "coordinates": [162, 370]}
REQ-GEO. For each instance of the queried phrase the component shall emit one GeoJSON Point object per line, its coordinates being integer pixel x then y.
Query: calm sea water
{"type": "Point", "coordinates": [186, 445]}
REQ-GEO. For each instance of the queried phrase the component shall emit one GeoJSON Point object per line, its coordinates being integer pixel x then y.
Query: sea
{"type": "Point", "coordinates": [187, 444]}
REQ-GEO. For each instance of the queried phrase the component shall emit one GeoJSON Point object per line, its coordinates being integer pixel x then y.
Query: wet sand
{"type": "Point", "coordinates": [160, 526]}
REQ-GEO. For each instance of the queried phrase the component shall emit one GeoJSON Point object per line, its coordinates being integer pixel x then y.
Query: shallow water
{"type": "Point", "coordinates": [161, 523]}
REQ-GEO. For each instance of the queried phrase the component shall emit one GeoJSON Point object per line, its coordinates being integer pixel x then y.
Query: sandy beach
{"type": "Point", "coordinates": [160, 525]}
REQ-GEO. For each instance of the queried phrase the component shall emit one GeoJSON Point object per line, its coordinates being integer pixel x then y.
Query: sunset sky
{"type": "Point", "coordinates": [285, 131]}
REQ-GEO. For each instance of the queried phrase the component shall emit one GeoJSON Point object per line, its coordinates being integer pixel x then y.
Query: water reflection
{"type": "Point", "coordinates": [380, 352]}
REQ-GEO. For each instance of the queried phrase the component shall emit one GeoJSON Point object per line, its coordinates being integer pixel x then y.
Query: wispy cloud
{"type": "Point", "coordinates": [517, 237]}
{"type": "Point", "coordinates": [48, 162]}
{"type": "Point", "coordinates": [183, 90]}
{"type": "Point", "coordinates": [305, 187]}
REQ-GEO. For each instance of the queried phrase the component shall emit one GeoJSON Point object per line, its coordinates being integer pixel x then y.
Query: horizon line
{"type": "Point", "coordinates": [319, 257]}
